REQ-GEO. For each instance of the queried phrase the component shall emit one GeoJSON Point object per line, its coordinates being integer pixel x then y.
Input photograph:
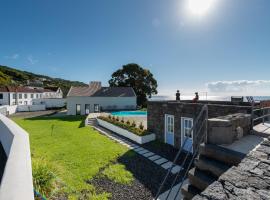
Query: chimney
{"type": "Point", "coordinates": [95, 84]}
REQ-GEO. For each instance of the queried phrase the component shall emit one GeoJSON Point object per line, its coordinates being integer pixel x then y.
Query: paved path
{"type": "Point", "coordinates": [162, 162]}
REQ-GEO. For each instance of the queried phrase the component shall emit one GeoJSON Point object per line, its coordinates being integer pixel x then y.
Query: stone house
{"type": "Point", "coordinates": [95, 98]}
{"type": "Point", "coordinates": [171, 121]}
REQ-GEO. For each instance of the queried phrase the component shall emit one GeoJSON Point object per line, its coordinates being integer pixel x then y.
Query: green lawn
{"type": "Point", "coordinates": [76, 153]}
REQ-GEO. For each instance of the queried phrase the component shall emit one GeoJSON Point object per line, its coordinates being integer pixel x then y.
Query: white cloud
{"type": "Point", "coordinates": [13, 57]}
{"type": "Point", "coordinates": [31, 60]}
{"type": "Point", "coordinates": [240, 87]}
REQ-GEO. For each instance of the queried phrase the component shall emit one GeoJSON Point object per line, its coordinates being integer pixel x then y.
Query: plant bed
{"type": "Point", "coordinates": [132, 133]}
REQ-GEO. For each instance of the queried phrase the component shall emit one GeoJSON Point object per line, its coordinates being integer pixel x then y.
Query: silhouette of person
{"type": "Point", "coordinates": [177, 95]}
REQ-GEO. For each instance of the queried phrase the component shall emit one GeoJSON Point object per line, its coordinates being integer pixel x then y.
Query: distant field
{"type": "Point", "coordinates": [76, 153]}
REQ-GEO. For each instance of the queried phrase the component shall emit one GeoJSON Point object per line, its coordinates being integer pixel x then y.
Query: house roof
{"type": "Point", "coordinates": [51, 89]}
{"type": "Point", "coordinates": [20, 89]}
{"type": "Point", "coordinates": [95, 90]}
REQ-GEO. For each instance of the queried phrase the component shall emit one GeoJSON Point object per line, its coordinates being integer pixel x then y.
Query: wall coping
{"type": "Point", "coordinates": [17, 182]}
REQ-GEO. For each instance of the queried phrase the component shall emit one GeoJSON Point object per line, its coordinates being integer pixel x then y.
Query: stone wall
{"type": "Point", "coordinates": [227, 129]}
{"type": "Point", "coordinates": [156, 111]}
{"type": "Point", "coordinates": [250, 180]}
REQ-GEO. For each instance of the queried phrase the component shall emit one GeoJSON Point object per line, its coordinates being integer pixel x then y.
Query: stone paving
{"type": "Point", "coordinates": [162, 162]}
{"type": "Point", "coordinates": [249, 180]}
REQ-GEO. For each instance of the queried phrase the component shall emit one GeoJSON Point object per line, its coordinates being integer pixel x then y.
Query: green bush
{"type": "Point", "coordinates": [122, 120]}
{"type": "Point", "coordinates": [126, 126]}
{"type": "Point", "coordinates": [133, 124]}
{"type": "Point", "coordinates": [141, 126]}
{"type": "Point", "coordinates": [43, 177]}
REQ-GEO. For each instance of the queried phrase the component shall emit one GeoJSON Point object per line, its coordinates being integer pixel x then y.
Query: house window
{"type": "Point", "coordinates": [32, 96]}
{"type": "Point", "coordinates": [37, 96]}
{"type": "Point", "coordinates": [1, 96]}
{"type": "Point", "coordinates": [78, 109]}
{"type": "Point", "coordinates": [25, 102]}
{"type": "Point", "coordinates": [96, 107]}
{"type": "Point", "coordinates": [13, 103]}
{"type": "Point", "coordinates": [25, 96]}
{"type": "Point", "coordinates": [20, 102]}
{"type": "Point", "coordinates": [87, 109]}
{"type": "Point", "coordinates": [14, 96]}
{"type": "Point", "coordinates": [20, 96]}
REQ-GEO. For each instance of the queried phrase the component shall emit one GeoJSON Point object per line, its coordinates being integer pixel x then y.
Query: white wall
{"type": "Point", "coordinates": [50, 103]}
{"type": "Point", "coordinates": [30, 108]}
{"type": "Point", "coordinates": [5, 100]}
{"type": "Point", "coordinates": [121, 103]}
{"type": "Point", "coordinates": [17, 180]}
{"type": "Point", "coordinates": [23, 100]}
{"type": "Point", "coordinates": [9, 109]}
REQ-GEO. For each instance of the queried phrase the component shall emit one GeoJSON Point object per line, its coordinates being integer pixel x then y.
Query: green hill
{"type": "Point", "coordinates": [11, 76]}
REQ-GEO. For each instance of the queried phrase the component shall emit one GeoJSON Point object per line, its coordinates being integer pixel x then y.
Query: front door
{"type": "Point", "coordinates": [169, 129]}
{"type": "Point", "coordinates": [78, 109]}
{"type": "Point", "coordinates": [187, 134]}
{"type": "Point", "coordinates": [87, 109]}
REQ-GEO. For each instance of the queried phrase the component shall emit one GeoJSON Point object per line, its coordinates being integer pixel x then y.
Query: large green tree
{"type": "Point", "coordinates": [140, 79]}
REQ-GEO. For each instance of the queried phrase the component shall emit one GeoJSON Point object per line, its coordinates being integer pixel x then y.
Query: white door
{"type": "Point", "coordinates": [169, 129]}
{"type": "Point", "coordinates": [187, 134]}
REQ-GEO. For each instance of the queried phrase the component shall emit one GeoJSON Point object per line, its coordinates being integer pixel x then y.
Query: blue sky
{"type": "Point", "coordinates": [228, 47]}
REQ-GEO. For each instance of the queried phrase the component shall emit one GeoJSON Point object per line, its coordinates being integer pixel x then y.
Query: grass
{"type": "Point", "coordinates": [118, 174]}
{"type": "Point", "coordinates": [75, 152]}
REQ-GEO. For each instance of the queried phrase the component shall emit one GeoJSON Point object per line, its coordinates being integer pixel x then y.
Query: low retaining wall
{"type": "Point", "coordinates": [127, 134]}
{"type": "Point", "coordinates": [50, 103]}
{"type": "Point", "coordinates": [17, 180]}
{"type": "Point", "coordinates": [30, 108]}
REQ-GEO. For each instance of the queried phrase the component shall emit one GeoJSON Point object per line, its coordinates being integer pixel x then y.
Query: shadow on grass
{"type": "Point", "coordinates": [61, 118]}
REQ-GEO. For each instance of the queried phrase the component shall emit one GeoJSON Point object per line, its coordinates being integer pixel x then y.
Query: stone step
{"type": "Point", "coordinates": [216, 168]}
{"type": "Point", "coordinates": [200, 179]}
{"type": "Point", "coordinates": [189, 191]}
{"type": "Point", "coordinates": [222, 154]}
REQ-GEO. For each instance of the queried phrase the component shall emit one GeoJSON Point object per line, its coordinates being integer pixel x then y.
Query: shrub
{"type": "Point", "coordinates": [117, 118]}
{"type": "Point", "coordinates": [113, 118]}
{"type": "Point", "coordinates": [133, 124]}
{"type": "Point", "coordinates": [110, 117]}
{"type": "Point", "coordinates": [141, 126]}
{"type": "Point", "coordinates": [126, 126]}
{"type": "Point", "coordinates": [122, 120]}
{"type": "Point", "coordinates": [43, 177]}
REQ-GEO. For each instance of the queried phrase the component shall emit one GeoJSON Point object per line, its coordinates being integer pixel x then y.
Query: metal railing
{"type": "Point", "coordinates": [260, 113]}
{"type": "Point", "coordinates": [199, 123]}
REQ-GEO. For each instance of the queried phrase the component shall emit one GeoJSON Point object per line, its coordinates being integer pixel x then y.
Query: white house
{"type": "Point", "coordinates": [52, 93]}
{"type": "Point", "coordinates": [11, 95]}
{"type": "Point", "coordinates": [95, 98]}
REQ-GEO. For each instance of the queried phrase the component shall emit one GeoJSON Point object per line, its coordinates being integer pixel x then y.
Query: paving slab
{"type": "Point", "coordinates": [160, 161]}
{"type": "Point", "coordinates": [148, 154]}
{"type": "Point", "coordinates": [167, 165]}
{"type": "Point", "coordinates": [139, 149]}
{"type": "Point", "coordinates": [176, 169]}
{"type": "Point", "coordinates": [155, 157]}
{"type": "Point", "coordinates": [143, 152]}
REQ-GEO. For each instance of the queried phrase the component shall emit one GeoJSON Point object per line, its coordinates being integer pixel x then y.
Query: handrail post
{"type": "Point", "coordinates": [252, 115]}
{"type": "Point", "coordinates": [263, 115]}
{"type": "Point", "coordinates": [206, 124]}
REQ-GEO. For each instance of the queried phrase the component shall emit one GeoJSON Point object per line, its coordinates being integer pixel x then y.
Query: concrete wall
{"type": "Point", "coordinates": [17, 180]}
{"type": "Point", "coordinates": [9, 109]}
{"type": "Point", "coordinates": [5, 100]}
{"type": "Point", "coordinates": [30, 108]}
{"type": "Point", "coordinates": [106, 103]}
{"type": "Point", "coordinates": [50, 103]}
{"type": "Point", "coordinates": [156, 111]}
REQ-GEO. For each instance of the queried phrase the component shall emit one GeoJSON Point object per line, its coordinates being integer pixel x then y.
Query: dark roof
{"type": "Point", "coordinates": [51, 89]}
{"type": "Point", "coordinates": [20, 89]}
{"type": "Point", "coordinates": [102, 92]}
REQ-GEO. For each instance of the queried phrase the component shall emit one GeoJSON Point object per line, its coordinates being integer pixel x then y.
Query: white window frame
{"type": "Point", "coordinates": [183, 129]}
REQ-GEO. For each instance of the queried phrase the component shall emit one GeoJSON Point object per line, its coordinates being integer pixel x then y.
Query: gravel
{"type": "Point", "coordinates": [147, 179]}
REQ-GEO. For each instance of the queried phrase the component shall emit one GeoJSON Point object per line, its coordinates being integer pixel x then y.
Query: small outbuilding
{"type": "Point", "coordinates": [95, 98]}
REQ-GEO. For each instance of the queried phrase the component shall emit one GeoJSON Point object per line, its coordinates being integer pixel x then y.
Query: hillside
{"type": "Point", "coordinates": [11, 76]}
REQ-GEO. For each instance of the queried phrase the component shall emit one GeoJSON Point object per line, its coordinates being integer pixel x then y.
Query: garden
{"type": "Point", "coordinates": [71, 161]}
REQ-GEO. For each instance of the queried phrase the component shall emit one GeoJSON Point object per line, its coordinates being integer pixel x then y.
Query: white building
{"type": "Point", "coordinates": [95, 98]}
{"type": "Point", "coordinates": [52, 93]}
{"type": "Point", "coordinates": [10, 95]}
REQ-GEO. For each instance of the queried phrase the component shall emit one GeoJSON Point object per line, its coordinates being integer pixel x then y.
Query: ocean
{"type": "Point", "coordinates": [214, 98]}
